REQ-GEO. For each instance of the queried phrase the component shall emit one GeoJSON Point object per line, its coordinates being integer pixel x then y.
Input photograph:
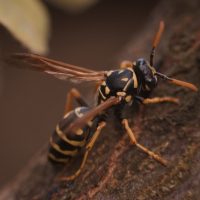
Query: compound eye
{"type": "Point", "coordinates": [151, 82]}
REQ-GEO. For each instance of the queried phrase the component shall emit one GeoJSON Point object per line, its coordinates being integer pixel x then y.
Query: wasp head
{"type": "Point", "coordinates": [146, 74]}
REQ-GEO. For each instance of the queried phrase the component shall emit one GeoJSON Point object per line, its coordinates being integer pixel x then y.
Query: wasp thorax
{"type": "Point", "coordinates": [146, 74]}
{"type": "Point", "coordinates": [120, 83]}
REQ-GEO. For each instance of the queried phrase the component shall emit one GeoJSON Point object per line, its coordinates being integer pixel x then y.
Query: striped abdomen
{"type": "Point", "coordinates": [64, 145]}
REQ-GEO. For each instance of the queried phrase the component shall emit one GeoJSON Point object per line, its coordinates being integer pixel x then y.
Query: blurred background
{"type": "Point", "coordinates": [88, 33]}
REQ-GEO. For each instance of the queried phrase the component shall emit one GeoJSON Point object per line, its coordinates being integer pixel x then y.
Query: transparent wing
{"type": "Point", "coordinates": [80, 122]}
{"type": "Point", "coordinates": [59, 69]}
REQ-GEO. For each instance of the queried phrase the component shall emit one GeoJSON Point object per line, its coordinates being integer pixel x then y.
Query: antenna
{"type": "Point", "coordinates": [178, 82]}
{"type": "Point", "coordinates": [156, 41]}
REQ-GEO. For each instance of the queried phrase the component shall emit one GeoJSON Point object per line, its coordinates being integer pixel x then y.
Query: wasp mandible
{"type": "Point", "coordinates": [80, 127]}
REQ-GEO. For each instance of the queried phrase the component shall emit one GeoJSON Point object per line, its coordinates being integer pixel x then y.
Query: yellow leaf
{"type": "Point", "coordinates": [28, 22]}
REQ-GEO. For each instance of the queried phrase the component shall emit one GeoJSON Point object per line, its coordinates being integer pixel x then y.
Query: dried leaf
{"type": "Point", "coordinates": [28, 22]}
{"type": "Point", "coordinates": [74, 5]}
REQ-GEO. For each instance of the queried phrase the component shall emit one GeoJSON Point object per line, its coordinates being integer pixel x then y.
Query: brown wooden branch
{"type": "Point", "coordinates": [118, 170]}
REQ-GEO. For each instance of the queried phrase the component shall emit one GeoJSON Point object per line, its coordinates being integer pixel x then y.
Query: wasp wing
{"type": "Point", "coordinates": [59, 69]}
{"type": "Point", "coordinates": [80, 122]}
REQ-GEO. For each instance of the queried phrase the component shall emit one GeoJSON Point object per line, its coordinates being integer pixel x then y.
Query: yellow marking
{"type": "Point", "coordinates": [78, 113]}
{"type": "Point", "coordinates": [52, 157]}
{"type": "Point", "coordinates": [107, 90]}
{"type": "Point", "coordinates": [88, 149]}
{"type": "Point", "coordinates": [72, 142]}
{"type": "Point", "coordinates": [122, 94]}
{"type": "Point", "coordinates": [147, 87]}
{"type": "Point", "coordinates": [128, 98]}
{"type": "Point", "coordinates": [127, 84]}
{"type": "Point", "coordinates": [67, 114]}
{"type": "Point", "coordinates": [109, 72]}
{"type": "Point", "coordinates": [119, 72]}
{"type": "Point", "coordinates": [135, 81]}
{"type": "Point", "coordinates": [130, 69]}
{"type": "Point", "coordinates": [101, 94]}
{"type": "Point", "coordinates": [125, 64]}
{"type": "Point", "coordinates": [152, 68]}
{"type": "Point", "coordinates": [79, 132]}
{"type": "Point", "coordinates": [89, 123]}
{"type": "Point", "coordinates": [124, 79]}
{"type": "Point", "coordinates": [104, 83]}
{"type": "Point", "coordinates": [64, 152]}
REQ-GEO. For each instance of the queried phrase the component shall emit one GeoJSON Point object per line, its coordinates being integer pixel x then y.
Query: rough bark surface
{"type": "Point", "coordinates": [118, 170]}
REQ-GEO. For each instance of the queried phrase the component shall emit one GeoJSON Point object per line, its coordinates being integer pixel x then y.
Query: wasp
{"type": "Point", "coordinates": [80, 127]}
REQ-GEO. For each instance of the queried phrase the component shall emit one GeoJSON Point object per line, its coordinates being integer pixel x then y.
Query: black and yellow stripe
{"type": "Point", "coordinates": [64, 145]}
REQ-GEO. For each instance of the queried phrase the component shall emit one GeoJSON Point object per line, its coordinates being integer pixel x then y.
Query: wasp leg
{"type": "Point", "coordinates": [126, 64]}
{"type": "Point", "coordinates": [73, 93]}
{"type": "Point", "coordinates": [161, 100]}
{"type": "Point", "coordinates": [88, 149]}
{"type": "Point", "coordinates": [144, 149]}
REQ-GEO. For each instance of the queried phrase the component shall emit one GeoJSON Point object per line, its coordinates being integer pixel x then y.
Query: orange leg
{"type": "Point", "coordinates": [73, 93]}
{"type": "Point", "coordinates": [141, 147]}
{"type": "Point", "coordinates": [88, 149]}
{"type": "Point", "coordinates": [161, 100]}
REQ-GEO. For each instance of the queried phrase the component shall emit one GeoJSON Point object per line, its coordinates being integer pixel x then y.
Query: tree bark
{"type": "Point", "coordinates": [115, 168]}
